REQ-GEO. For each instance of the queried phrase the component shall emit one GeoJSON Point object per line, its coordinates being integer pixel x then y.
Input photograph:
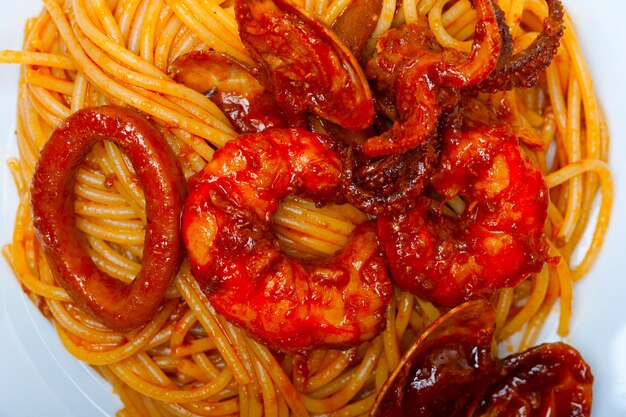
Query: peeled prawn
{"type": "Point", "coordinates": [496, 242]}
{"type": "Point", "coordinates": [286, 303]}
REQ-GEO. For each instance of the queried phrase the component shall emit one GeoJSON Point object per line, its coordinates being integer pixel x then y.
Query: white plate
{"type": "Point", "coordinates": [39, 378]}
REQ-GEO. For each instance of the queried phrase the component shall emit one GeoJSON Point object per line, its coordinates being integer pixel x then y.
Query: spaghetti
{"type": "Point", "coordinates": [188, 360]}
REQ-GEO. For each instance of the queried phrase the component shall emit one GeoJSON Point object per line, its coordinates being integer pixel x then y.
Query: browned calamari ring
{"type": "Point", "coordinates": [118, 305]}
{"type": "Point", "coordinates": [523, 69]}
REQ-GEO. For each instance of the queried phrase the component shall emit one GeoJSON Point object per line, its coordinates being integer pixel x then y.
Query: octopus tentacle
{"type": "Point", "coordinates": [485, 52]}
{"type": "Point", "coordinates": [389, 184]}
{"type": "Point", "coordinates": [425, 80]}
{"type": "Point", "coordinates": [523, 69]}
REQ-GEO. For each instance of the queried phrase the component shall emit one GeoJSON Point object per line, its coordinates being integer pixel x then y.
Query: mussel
{"type": "Point", "coordinates": [451, 371]}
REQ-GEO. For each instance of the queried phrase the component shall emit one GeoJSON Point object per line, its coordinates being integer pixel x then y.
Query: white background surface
{"type": "Point", "coordinates": [38, 378]}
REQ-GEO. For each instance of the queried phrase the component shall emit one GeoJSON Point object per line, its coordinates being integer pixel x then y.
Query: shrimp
{"type": "Point", "coordinates": [286, 303]}
{"type": "Point", "coordinates": [496, 242]}
{"type": "Point", "coordinates": [419, 80]}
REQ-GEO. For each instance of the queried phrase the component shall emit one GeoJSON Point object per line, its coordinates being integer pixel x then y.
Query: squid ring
{"type": "Point", "coordinates": [118, 305]}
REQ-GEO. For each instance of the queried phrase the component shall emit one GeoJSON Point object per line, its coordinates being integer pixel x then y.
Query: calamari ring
{"type": "Point", "coordinates": [119, 306]}
{"type": "Point", "coordinates": [286, 303]}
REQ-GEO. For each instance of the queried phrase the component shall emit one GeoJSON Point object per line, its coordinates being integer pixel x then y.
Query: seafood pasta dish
{"type": "Point", "coordinates": [300, 208]}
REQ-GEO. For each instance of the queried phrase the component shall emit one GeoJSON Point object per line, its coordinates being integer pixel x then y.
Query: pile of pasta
{"type": "Point", "coordinates": [189, 361]}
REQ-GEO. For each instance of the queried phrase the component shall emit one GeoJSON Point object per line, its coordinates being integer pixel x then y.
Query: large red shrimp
{"type": "Point", "coordinates": [496, 242]}
{"type": "Point", "coordinates": [284, 302]}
